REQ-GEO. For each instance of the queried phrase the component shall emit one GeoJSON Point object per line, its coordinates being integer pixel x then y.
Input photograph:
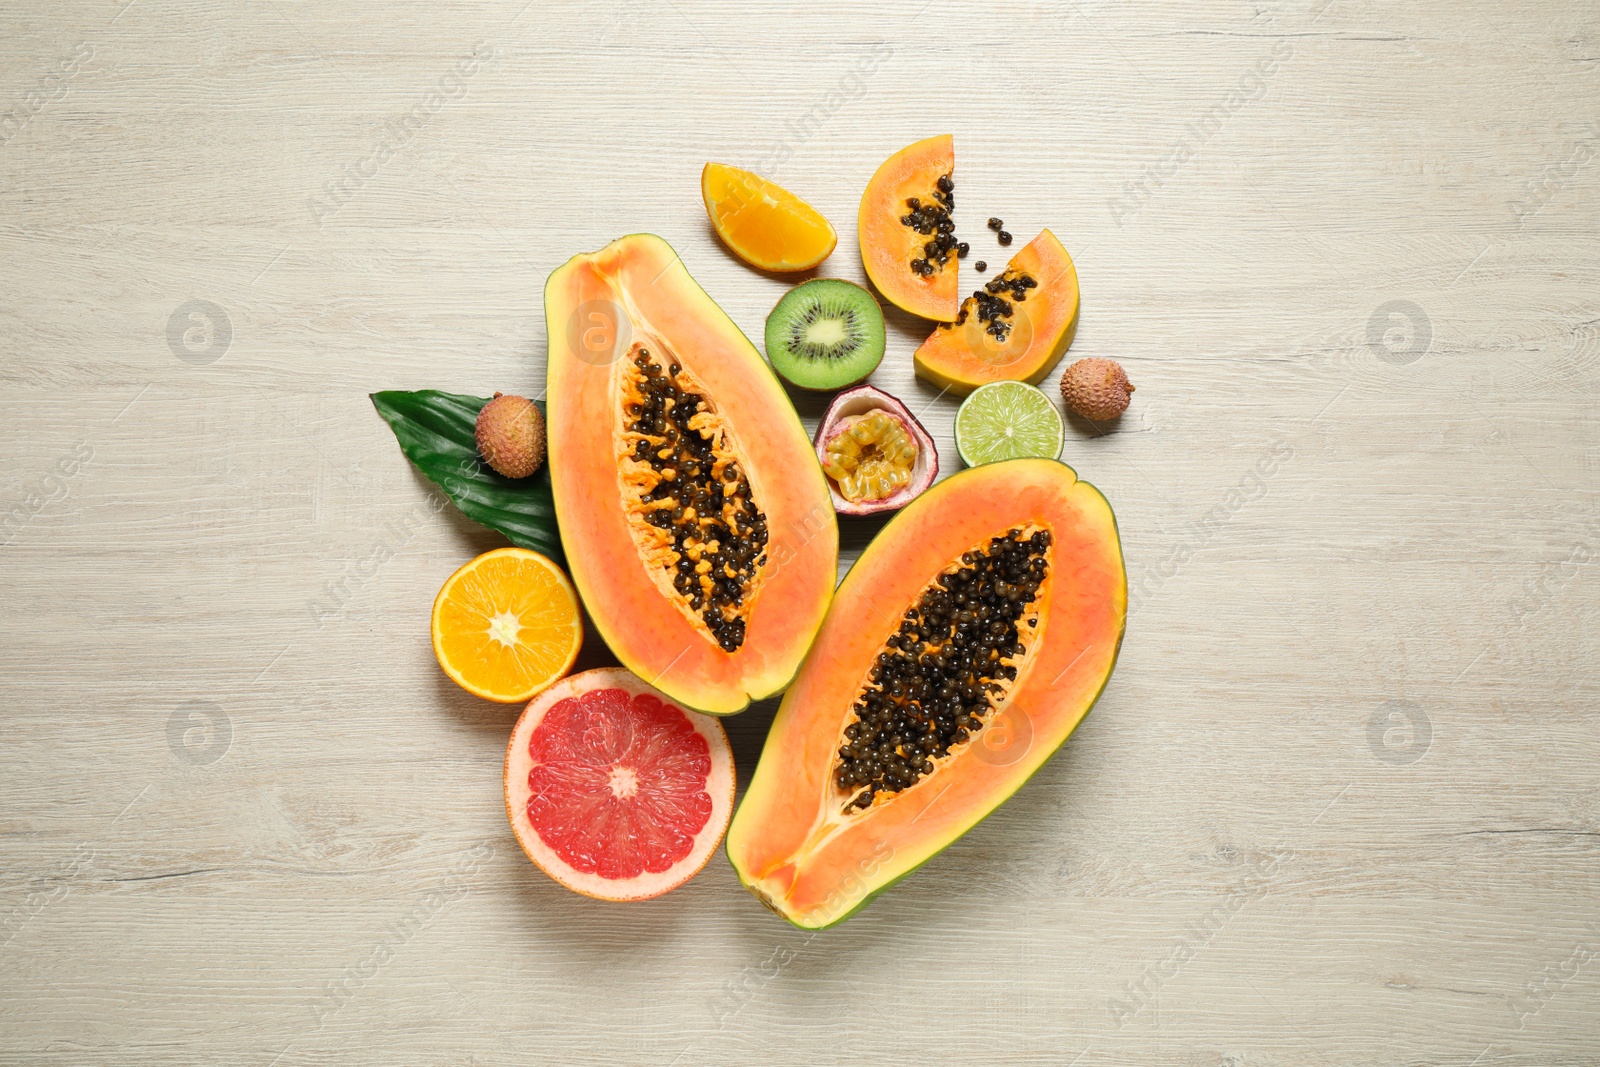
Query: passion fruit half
{"type": "Point", "coordinates": [875, 453]}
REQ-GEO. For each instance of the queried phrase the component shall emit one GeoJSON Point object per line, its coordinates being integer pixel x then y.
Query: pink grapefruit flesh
{"type": "Point", "coordinates": [613, 790]}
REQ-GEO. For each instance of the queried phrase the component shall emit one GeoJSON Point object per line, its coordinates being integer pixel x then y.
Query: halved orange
{"type": "Point", "coordinates": [506, 625]}
{"type": "Point", "coordinates": [763, 223]}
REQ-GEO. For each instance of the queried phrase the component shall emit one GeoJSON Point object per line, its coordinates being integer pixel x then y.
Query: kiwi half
{"type": "Point", "coordinates": [825, 334]}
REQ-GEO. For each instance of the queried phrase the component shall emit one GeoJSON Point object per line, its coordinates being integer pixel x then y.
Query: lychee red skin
{"type": "Point", "coordinates": [1096, 389]}
{"type": "Point", "coordinates": [510, 435]}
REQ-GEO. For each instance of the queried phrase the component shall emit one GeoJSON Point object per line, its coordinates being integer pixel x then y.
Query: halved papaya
{"type": "Point", "coordinates": [696, 521]}
{"type": "Point", "coordinates": [966, 644]}
{"type": "Point", "coordinates": [1014, 328]}
{"type": "Point", "coordinates": [907, 236]}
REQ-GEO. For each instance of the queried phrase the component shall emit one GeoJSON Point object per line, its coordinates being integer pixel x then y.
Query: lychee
{"type": "Point", "coordinates": [1096, 389]}
{"type": "Point", "coordinates": [510, 434]}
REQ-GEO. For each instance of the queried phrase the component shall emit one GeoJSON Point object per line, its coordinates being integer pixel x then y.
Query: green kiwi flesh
{"type": "Point", "coordinates": [825, 334]}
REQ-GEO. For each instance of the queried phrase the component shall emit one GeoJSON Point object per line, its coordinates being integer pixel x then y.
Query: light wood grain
{"type": "Point", "coordinates": [1220, 868]}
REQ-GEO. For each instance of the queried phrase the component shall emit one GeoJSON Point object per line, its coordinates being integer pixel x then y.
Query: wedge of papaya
{"type": "Point", "coordinates": [907, 236]}
{"type": "Point", "coordinates": [1013, 329]}
{"type": "Point", "coordinates": [966, 644]}
{"type": "Point", "coordinates": [695, 518]}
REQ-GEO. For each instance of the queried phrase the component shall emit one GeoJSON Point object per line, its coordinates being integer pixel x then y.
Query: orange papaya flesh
{"type": "Point", "coordinates": [801, 841]}
{"type": "Point", "coordinates": [696, 521]}
{"type": "Point", "coordinates": [901, 210]}
{"type": "Point", "coordinates": [1013, 329]}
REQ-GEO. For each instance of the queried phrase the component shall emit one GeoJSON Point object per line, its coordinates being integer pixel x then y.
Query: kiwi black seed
{"type": "Point", "coordinates": [825, 334]}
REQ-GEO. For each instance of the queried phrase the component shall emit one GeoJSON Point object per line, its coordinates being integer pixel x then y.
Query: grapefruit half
{"type": "Point", "coordinates": [613, 790]}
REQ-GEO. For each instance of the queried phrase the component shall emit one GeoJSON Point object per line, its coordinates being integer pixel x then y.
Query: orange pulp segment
{"type": "Point", "coordinates": [763, 223]}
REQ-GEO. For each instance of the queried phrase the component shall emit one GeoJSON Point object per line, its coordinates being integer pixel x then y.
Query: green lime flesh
{"type": "Point", "coordinates": [825, 334]}
{"type": "Point", "coordinates": [1008, 420]}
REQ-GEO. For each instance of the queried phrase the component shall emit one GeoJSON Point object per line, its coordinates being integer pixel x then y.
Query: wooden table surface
{"type": "Point", "coordinates": [1338, 805]}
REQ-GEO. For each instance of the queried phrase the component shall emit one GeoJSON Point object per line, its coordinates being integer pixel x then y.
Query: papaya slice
{"type": "Point", "coordinates": [1015, 328]}
{"type": "Point", "coordinates": [696, 521]}
{"type": "Point", "coordinates": [970, 639]}
{"type": "Point", "coordinates": [907, 235]}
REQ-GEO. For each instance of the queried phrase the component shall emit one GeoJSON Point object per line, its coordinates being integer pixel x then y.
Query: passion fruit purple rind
{"type": "Point", "coordinates": [887, 425]}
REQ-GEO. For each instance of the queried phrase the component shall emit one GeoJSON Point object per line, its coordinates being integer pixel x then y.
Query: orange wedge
{"type": "Point", "coordinates": [506, 625]}
{"type": "Point", "coordinates": [765, 224]}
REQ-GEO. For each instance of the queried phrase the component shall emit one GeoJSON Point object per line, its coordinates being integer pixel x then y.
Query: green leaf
{"type": "Point", "coordinates": [437, 432]}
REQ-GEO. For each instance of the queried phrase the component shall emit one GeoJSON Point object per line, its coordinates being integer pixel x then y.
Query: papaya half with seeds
{"type": "Point", "coordinates": [908, 243]}
{"type": "Point", "coordinates": [696, 521]}
{"type": "Point", "coordinates": [970, 639]}
{"type": "Point", "coordinates": [1013, 329]}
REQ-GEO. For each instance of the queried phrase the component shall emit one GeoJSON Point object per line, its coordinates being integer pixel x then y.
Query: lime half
{"type": "Point", "coordinates": [1008, 420]}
